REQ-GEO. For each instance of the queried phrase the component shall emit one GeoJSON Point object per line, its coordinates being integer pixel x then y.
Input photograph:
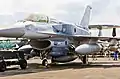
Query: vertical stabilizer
{"type": "Point", "coordinates": [86, 17]}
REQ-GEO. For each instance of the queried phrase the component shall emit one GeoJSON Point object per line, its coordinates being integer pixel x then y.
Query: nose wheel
{"type": "Point", "coordinates": [45, 62]}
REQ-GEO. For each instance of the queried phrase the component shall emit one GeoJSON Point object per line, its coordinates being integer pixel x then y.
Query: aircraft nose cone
{"type": "Point", "coordinates": [12, 32]}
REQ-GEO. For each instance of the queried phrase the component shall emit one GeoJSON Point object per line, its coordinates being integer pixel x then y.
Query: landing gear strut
{"type": "Point", "coordinates": [84, 59]}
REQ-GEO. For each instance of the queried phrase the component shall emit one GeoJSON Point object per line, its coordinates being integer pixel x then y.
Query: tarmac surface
{"type": "Point", "coordinates": [102, 68]}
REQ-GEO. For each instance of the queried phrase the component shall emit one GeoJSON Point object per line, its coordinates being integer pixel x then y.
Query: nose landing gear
{"type": "Point", "coordinates": [45, 62]}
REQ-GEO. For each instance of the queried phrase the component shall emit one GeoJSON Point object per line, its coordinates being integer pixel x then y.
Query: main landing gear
{"type": "Point", "coordinates": [45, 62]}
{"type": "Point", "coordinates": [84, 59]}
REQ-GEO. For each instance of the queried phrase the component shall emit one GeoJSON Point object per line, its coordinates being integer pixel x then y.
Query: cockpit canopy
{"type": "Point", "coordinates": [40, 18]}
{"type": "Point", "coordinates": [37, 18]}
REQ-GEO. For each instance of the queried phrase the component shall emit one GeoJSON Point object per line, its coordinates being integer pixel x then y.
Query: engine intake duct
{"type": "Point", "coordinates": [41, 44]}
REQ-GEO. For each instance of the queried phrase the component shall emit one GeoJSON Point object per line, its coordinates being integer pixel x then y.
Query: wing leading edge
{"type": "Point", "coordinates": [79, 37]}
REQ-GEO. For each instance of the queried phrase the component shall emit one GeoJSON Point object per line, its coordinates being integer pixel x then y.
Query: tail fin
{"type": "Point", "coordinates": [85, 20]}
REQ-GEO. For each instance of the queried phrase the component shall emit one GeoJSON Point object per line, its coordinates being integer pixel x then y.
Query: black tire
{"type": "Point", "coordinates": [23, 63]}
{"type": "Point", "coordinates": [85, 60]}
{"type": "Point", "coordinates": [45, 62]}
{"type": "Point", "coordinates": [2, 66]}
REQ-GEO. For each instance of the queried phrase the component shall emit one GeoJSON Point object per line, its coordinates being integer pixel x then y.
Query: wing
{"type": "Point", "coordinates": [95, 38]}
{"type": "Point", "coordinates": [103, 26]}
{"type": "Point", "coordinates": [81, 37]}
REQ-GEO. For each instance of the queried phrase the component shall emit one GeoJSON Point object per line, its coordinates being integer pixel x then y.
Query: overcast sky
{"type": "Point", "coordinates": [103, 11]}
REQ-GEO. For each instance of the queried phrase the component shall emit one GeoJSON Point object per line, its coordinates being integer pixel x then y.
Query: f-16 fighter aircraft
{"type": "Point", "coordinates": [63, 42]}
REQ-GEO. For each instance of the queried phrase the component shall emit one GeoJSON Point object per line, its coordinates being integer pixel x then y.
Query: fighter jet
{"type": "Point", "coordinates": [112, 44]}
{"type": "Point", "coordinates": [63, 42]}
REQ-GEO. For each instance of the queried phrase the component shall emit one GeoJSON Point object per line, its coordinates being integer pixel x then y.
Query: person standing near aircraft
{"type": "Point", "coordinates": [116, 55]}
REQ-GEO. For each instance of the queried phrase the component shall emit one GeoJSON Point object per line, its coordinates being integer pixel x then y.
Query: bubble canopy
{"type": "Point", "coordinates": [40, 18]}
{"type": "Point", "coordinates": [37, 18]}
